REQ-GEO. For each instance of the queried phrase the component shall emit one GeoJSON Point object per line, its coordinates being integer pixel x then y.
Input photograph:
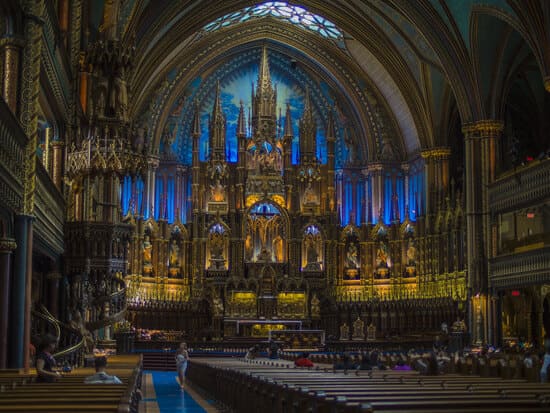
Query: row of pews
{"type": "Point", "coordinates": [20, 393]}
{"type": "Point", "coordinates": [251, 386]}
{"type": "Point", "coordinates": [505, 366]}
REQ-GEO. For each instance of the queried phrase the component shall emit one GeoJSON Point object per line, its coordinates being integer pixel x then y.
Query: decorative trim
{"type": "Point", "coordinates": [7, 244]}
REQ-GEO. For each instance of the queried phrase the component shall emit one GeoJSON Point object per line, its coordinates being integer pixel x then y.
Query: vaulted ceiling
{"type": "Point", "coordinates": [418, 65]}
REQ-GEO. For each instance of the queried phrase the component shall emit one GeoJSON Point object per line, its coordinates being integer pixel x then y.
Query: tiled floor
{"type": "Point", "coordinates": [164, 395]}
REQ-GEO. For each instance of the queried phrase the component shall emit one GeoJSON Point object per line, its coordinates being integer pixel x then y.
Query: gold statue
{"type": "Point", "coordinates": [147, 250]}
{"type": "Point", "coordinates": [310, 197]}
{"type": "Point", "coordinates": [315, 307]}
{"type": "Point", "coordinates": [411, 254]}
{"type": "Point", "coordinates": [174, 254]}
{"type": "Point", "coordinates": [217, 192]}
{"type": "Point", "coordinates": [278, 248]}
{"type": "Point", "coordinates": [344, 332]}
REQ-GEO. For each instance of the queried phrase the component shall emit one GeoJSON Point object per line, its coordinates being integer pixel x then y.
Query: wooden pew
{"type": "Point", "coordinates": [21, 393]}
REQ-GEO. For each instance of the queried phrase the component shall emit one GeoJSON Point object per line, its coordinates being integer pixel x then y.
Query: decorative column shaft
{"type": "Point", "coordinates": [53, 292]}
{"type": "Point", "coordinates": [7, 245]}
{"type": "Point", "coordinates": [57, 163]}
{"type": "Point", "coordinates": [11, 49]}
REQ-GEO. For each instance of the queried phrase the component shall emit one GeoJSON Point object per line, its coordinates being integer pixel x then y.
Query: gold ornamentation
{"type": "Point", "coordinates": [7, 244]}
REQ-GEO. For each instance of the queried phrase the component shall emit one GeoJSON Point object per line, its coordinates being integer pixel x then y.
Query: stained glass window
{"type": "Point", "coordinates": [284, 11]}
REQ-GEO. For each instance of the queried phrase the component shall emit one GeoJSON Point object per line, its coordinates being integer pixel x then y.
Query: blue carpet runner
{"type": "Point", "coordinates": [170, 397]}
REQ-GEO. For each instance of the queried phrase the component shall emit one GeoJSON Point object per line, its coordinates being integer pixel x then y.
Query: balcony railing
{"type": "Point", "coordinates": [523, 268]}
{"type": "Point", "coordinates": [521, 188]}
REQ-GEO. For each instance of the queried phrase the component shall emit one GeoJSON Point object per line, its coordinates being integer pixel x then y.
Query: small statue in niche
{"type": "Point", "coordinates": [352, 261]}
{"type": "Point", "coordinates": [344, 332]}
{"type": "Point", "coordinates": [217, 192]}
{"type": "Point", "coordinates": [315, 307]}
{"type": "Point", "coordinates": [387, 153]}
{"type": "Point", "coordinates": [248, 250]}
{"type": "Point", "coordinates": [147, 250]}
{"type": "Point", "coordinates": [174, 254]}
{"type": "Point", "coordinates": [358, 329]}
{"type": "Point", "coordinates": [310, 197]}
{"type": "Point", "coordinates": [217, 306]}
{"type": "Point", "coordinates": [312, 256]}
{"type": "Point", "coordinates": [278, 248]}
{"type": "Point", "coordinates": [411, 254]}
{"type": "Point", "coordinates": [382, 256]}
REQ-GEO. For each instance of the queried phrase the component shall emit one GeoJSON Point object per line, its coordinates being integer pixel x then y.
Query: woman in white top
{"type": "Point", "coordinates": [182, 357]}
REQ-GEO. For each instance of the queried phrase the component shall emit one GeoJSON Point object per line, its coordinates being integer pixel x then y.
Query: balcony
{"type": "Point", "coordinates": [521, 268]}
{"type": "Point", "coordinates": [521, 188]}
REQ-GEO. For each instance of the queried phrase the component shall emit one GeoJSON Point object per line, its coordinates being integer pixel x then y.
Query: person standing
{"type": "Point", "coordinates": [182, 358]}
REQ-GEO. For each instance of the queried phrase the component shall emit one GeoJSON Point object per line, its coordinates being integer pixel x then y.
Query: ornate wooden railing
{"type": "Point", "coordinates": [530, 267]}
{"type": "Point", "coordinates": [520, 188]}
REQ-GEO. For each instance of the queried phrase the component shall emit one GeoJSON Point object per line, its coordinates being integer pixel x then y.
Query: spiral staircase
{"type": "Point", "coordinates": [75, 339]}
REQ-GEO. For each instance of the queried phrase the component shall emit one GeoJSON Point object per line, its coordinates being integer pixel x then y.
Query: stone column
{"type": "Point", "coordinates": [480, 168]}
{"type": "Point", "coordinates": [7, 245]}
{"type": "Point", "coordinates": [18, 291]}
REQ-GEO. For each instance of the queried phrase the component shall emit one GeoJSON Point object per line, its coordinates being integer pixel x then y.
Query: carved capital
{"type": "Point", "coordinates": [436, 153]}
{"type": "Point", "coordinates": [483, 128]}
{"type": "Point", "coordinates": [7, 245]}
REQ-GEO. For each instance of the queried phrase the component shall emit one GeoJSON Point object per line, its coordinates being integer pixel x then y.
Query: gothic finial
{"type": "Point", "coordinates": [288, 123]}
{"type": "Point", "coordinates": [196, 121]}
{"type": "Point", "coordinates": [241, 122]}
{"type": "Point", "coordinates": [264, 77]}
{"type": "Point", "coordinates": [217, 110]}
{"type": "Point", "coordinates": [308, 112]}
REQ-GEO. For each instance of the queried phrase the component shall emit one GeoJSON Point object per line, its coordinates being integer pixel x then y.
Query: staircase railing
{"type": "Point", "coordinates": [117, 307]}
{"type": "Point", "coordinates": [70, 340]}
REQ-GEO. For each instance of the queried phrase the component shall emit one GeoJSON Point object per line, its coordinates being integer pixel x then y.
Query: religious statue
{"type": "Point", "coordinates": [217, 192]}
{"type": "Point", "coordinates": [352, 261]}
{"type": "Point", "coordinates": [248, 250]}
{"type": "Point", "coordinates": [358, 332]}
{"type": "Point", "coordinates": [278, 248]}
{"type": "Point", "coordinates": [382, 256]}
{"type": "Point", "coordinates": [174, 259]}
{"type": "Point", "coordinates": [217, 306]}
{"type": "Point", "coordinates": [411, 254]}
{"type": "Point", "coordinates": [315, 307]}
{"type": "Point", "coordinates": [147, 251]}
{"type": "Point", "coordinates": [310, 197]}
{"type": "Point", "coordinates": [344, 332]}
{"type": "Point", "coordinates": [312, 256]}
{"type": "Point", "coordinates": [217, 260]}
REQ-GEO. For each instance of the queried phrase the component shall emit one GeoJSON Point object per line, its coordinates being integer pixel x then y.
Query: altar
{"type": "Point", "coordinates": [257, 328]}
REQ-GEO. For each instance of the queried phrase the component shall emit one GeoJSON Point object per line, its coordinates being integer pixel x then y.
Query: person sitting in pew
{"type": "Point", "coordinates": [252, 352]}
{"type": "Point", "coordinates": [101, 376]}
{"type": "Point", "coordinates": [401, 365]}
{"type": "Point", "coordinates": [303, 361]}
{"type": "Point", "coordinates": [45, 362]}
{"type": "Point", "coordinates": [345, 363]}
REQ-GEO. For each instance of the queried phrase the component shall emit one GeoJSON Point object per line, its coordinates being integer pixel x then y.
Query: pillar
{"type": "Point", "coordinates": [7, 245]}
{"type": "Point", "coordinates": [18, 291]}
{"type": "Point", "coordinates": [480, 160]}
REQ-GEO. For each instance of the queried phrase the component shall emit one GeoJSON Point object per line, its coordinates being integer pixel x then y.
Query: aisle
{"type": "Point", "coordinates": [170, 398]}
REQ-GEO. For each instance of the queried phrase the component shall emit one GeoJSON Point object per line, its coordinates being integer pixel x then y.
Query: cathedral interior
{"type": "Point", "coordinates": [228, 170]}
